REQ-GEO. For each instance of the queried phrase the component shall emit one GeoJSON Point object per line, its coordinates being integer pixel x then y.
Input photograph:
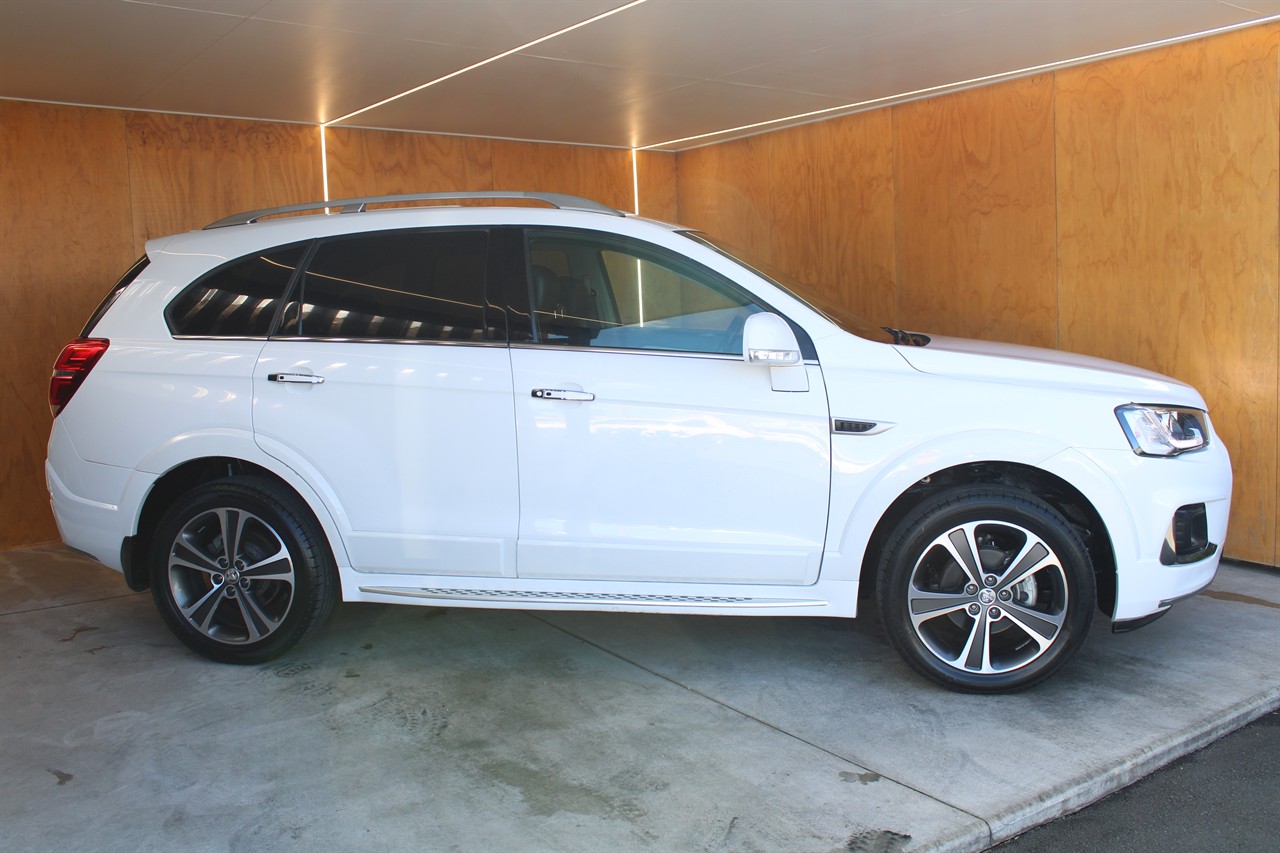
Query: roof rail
{"type": "Point", "coordinates": [357, 205]}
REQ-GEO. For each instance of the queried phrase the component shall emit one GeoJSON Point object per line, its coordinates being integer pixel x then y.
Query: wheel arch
{"type": "Point", "coordinates": [186, 475]}
{"type": "Point", "coordinates": [1078, 510]}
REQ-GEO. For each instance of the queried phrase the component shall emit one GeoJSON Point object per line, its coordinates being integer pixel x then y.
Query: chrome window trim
{"type": "Point", "coordinates": [713, 356]}
{"type": "Point", "coordinates": [400, 341]}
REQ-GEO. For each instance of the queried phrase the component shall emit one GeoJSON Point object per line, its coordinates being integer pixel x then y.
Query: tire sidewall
{"type": "Point", "coordinates": [314, 573]}
{"type": "Point", "coordinates": [960, 506]}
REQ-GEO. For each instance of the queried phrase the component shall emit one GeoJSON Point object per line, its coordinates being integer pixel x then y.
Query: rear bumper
{"type": "Point", "coordinates": [88, 526]}
{"type": "Point", "coordinates": [86, 500]}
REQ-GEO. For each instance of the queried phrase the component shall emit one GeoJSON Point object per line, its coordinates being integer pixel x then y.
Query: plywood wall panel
{"type": "Point", "coordinates": [1167, 169]}
{"type": "Point", "coordinates": [67, 237]}
{"type": "Point", "coordinates": [371, 162]}
{"type": "Point", "coordinates": [831, 210]}
{"type": "Point", "coordinates": [976, 213]}
{"type": "Point", "coordinates": [725, 190]}
{"type": "Point", "coordinates": [187, 171]}
{"type": "Point", "coordinates": [656, 184]}
{"type": "Point", "coordinates": [600, 174]}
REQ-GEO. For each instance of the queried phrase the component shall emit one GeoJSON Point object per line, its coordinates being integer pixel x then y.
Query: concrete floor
{"type": "Point", "coordinates": [401, 728]}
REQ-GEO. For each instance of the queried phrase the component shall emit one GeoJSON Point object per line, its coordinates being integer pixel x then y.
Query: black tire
{"type": "Point", "coordinates": [241, 571]}
{"type": "Point", "coordinates": [985, 589]}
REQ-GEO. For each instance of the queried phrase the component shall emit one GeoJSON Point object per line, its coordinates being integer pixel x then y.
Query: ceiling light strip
{"type": "Point", "coordinates": [324, 164]}
{"type": "Point", "coordinates": [484, 62]}
{"type": "Point", "coordinates": [965, 84]}
{"type": "Point", "coordinates": [635, 180]}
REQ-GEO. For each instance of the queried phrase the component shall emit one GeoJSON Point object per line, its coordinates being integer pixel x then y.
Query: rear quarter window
{"type": "Point", "coordinates": [239, 299]}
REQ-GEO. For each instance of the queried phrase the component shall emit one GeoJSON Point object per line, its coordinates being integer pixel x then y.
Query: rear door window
{"type": "Point", "coordinates": [401, 286]}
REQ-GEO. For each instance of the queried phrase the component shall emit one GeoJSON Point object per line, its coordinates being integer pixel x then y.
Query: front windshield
{"type": "Point", "coordinates": [824, 305]}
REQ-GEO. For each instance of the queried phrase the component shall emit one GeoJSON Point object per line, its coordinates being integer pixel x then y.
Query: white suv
{"type": "Point", "coordinates": [577, 409]}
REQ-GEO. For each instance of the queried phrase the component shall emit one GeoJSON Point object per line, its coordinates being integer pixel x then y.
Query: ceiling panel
{"type": "Point", "coordinates": [652, 73]}
{"type": "Point", "coordinates": [288, 72]}
{"type": "Point", "coordinates": [528, 97]}
{"type": "Point", "coordinates": [101, 54]}
{"type": "Point", "coordinates": [237, 8]}
{"type": "Point", "coordinates": [493, 26]}
{"type": "Point", "coordinates": [712, 38]}
{"type": "Point", "coordinates": [986, 39]}
{"type": "Point", "coordinates": [712, 105]}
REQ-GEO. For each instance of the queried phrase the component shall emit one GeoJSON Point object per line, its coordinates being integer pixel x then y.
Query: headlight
{"type": "Point", "coordinates": [1163, 430]}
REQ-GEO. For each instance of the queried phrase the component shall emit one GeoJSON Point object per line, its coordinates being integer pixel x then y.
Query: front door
{"type": "Point", "coordinates": [648, 449]}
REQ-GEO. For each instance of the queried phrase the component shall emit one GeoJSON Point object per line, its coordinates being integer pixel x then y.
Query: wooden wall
{"type": "Point", "coordinates": [1128, 209]}
{"type": "Point", "coordinates": [67, 234]}
{"type": "Point", "coordinates": [1167, 169]}
{"type": "Point", "coordinates": [81, 190]}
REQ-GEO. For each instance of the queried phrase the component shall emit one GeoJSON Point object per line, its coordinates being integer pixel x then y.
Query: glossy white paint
{"type": "Point", "coordinates": [675, 483]}
{"type": "Point", "coordinates": [683, 468]}
{"type": "Point", "coordinates": [185, 387]}
{"type": "Point", "coordinates": [416, 441]}
{"type": "Point", "coordinates": [970, 359]}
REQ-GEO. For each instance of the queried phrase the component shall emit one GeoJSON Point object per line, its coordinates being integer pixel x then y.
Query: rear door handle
{"type": "Point", "coordinates": [301, 378]}
{"type": "Point", "coordinates": [563, 394]}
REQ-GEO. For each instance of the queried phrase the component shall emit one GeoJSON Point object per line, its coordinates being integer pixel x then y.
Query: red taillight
{"type": "Point", "coordinates": [72, 366]}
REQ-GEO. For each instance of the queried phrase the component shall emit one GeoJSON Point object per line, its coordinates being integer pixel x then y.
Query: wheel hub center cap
{"type": "Point", "coordinates": [987, 596]}
{"type": "Point", "coordinates": [233, 576]}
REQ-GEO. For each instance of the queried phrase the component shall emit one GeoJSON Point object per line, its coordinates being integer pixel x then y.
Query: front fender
{"type": "Point", "coordinates": [862, 492]}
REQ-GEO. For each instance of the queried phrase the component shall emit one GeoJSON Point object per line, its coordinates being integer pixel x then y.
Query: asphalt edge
{"type": "Point", "coordinates": [1075, 794]}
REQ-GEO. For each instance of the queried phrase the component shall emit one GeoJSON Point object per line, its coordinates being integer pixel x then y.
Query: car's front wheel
{"type": "Point", "coordinates": [985, 589]}
{"type": "Point", "coordinates": [241, 571]}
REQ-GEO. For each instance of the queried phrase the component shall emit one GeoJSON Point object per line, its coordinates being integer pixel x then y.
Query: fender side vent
{"type": "Point", "coordinates": [839, 425]}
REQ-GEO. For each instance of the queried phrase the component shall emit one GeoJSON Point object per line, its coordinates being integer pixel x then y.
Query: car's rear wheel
{"type": "Point", "coordinates": [984, 589]}
{"type": "Point", "coordinates": [241, 571]}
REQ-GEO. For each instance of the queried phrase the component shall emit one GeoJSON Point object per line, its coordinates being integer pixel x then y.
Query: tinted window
{"type": "Point", "coordinates": [238, 300]}
{"type": "Point", "coordinates": [397, 286]}
{"type": "Point", "coordinates": [597, 291]}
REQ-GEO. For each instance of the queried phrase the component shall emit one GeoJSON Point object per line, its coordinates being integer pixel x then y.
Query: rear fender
{"type": "Point", "coordinates": [236, 444]}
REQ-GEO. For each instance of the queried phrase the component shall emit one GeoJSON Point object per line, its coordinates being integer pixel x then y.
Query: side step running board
{"type": "Point", "coordinates": [624, 599]}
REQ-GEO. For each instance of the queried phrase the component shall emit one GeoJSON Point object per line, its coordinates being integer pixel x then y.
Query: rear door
{"type": "Point", "coordinates": [388, 386]}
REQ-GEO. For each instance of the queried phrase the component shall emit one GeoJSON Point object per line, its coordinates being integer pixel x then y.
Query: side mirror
{"type": "Point", "coordinates": [767, 340]}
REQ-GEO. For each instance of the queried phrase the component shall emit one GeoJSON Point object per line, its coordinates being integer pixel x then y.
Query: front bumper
{"type": "Point", "coordinates": [1148, 526]}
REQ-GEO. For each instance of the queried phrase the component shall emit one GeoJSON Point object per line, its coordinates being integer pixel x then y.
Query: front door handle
{"type": "Point", "coordinates": [563, 394]}
{"type": "Point", "coordinates": [302, 378]}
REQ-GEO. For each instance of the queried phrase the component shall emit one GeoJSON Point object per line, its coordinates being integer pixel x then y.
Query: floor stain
{"type": "Point", "coordinates": [861, 778]}
{"type": "Point", "coordinates": [877, 841]}
{"type": "Point", "coordinates": [96, 649]}
{"type": "Point", "coordinates": [77, 632]}
{"type": "Point", "coordinates": [546, 794]}
{"type": "Point", "coordinates": [292, 669]}
{"type": "Point", "coordinates": [1242, 599]}
{"type": "Point", "coordinates": [63, 778]}
{"type": "Point", "coordinates": [728, 833]}
{"type": "Point", "coordinates": [418, 716]}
